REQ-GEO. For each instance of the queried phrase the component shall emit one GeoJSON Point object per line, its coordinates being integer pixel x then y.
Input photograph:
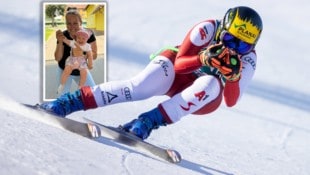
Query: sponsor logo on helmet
{"type": "Point", "coordinates": [244, 30]}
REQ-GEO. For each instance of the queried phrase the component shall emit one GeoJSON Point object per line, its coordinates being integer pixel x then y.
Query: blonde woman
{"type": "Point", "coordinates": [63, 51]}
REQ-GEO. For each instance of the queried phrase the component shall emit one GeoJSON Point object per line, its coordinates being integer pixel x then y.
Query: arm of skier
{"type": "Point", "coordinates": [200, 36]}
{"type": "Point", "coordinates": [237, 70]}
{"type": "Point", "coordinates": [233, 90]}
{"type": "Point", "coordinates": [59, 51]}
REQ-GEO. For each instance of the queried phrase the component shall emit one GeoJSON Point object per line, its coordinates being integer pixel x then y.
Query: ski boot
{"type": "Point", "coordinates": [145, 123]}
{"type": "Point", "coordinates": [64, 105]}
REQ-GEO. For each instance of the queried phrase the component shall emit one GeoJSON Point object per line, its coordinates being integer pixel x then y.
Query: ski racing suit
{"type": "Point", "coordinates": [178, 73]}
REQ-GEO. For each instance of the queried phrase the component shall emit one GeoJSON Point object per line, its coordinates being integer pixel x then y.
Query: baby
{"type": "Point", "coordinates": [77, 59]}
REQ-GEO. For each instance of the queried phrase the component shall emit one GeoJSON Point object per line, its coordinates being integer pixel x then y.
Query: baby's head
{"type": "Point", "coordinates": [82, 36]}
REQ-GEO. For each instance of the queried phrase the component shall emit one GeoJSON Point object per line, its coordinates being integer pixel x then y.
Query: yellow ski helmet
{"type": "Point", "coordinates": [244, 23]}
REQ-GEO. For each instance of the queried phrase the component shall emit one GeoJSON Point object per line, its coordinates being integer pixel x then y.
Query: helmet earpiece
{"type": "Point", "coordinates": [225, 18]}
{"type": "Point", "coordinates": [221, 25]}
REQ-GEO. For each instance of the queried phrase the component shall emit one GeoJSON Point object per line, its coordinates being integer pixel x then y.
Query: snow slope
{"type": "Point", "coordinates": [266, 133]}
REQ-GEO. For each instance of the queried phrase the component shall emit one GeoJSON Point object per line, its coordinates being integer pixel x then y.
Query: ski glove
{"type": "Point", "coordinates": [224, 59]}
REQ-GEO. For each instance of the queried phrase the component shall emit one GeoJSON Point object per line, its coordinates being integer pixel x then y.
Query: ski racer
{"type": "Point", "coordinates": [216, 60]}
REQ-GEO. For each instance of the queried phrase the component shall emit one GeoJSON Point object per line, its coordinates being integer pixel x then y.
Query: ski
{"type": "Point", "coordinates": [94, 130]}
{"type": "Point", "coordinates": [83, 129]}
{"type": "Point", "coordinates": [126, 138]}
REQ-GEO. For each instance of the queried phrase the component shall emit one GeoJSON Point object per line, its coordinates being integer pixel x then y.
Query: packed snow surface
{"type": "Point", "coordinates": [268, 132]}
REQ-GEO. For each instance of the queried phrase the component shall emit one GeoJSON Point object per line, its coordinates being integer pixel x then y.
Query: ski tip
{"type": "Point", "coordinates": [35, 106]}
{"type": "Point", "coordinates": [174, 156]}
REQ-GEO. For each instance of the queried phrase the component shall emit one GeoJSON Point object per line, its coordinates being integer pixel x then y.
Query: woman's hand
{"type": "Point", "coordinates": [59, 47]}
{"type": "Point", "coordinates": [59, 35]}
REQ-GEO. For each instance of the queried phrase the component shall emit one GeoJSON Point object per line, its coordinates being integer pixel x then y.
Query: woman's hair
{"type": "Point", "coordinates": [74, 11]}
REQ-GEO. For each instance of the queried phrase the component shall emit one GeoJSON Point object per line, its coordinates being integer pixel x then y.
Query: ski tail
{"type": "Point", "coordinates": [126, 138]}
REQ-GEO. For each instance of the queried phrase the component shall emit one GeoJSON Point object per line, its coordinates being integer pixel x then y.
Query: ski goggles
{"type": "Point", "coordinates": [236, 44]}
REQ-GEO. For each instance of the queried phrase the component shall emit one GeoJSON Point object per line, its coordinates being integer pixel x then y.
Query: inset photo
{"type": "Point", "coordinates": [74, 46]}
